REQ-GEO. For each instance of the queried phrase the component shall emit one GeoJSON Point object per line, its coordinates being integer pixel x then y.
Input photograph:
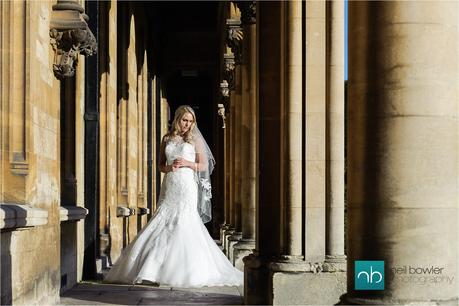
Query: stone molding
{"type": "Point", "coordinates": [70, 36]}
{"type": "Point", "coordinates": [72, 213]}
{"type": "Point", "coordinates": [226, 234]}
{"type": "Point", "coordinates": [236, 236]}
{"type": "Point", "coordinates": [245, 244]}
{"type": "Point", "coordinates": [288, 263]}
{"type": "Point", "coordinates": [123, 211]}
{"type": "Point", "coordinates": [143, 210]}
{"type": "Point", "coordinates": [335, 263]}
{"type": "Point", "coordinates": [21, 215]}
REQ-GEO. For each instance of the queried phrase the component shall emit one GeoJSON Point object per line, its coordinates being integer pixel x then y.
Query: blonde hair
{"type": "Point", "coordinates": [175, 127]}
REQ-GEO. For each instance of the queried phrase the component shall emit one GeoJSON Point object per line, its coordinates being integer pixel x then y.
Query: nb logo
{"type": "Point", "coordinates": [369, 275]}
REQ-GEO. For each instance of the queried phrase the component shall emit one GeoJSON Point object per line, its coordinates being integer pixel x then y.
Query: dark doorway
{"type": "Point", "coordinates": [194, 89]}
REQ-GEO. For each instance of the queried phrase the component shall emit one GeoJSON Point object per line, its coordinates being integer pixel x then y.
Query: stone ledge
{"type": "Point", "coordinates": [123, 211]}
{"type": "Point", "coordinates": [21, 215]}
{"type": "Point", "coordinates": [72, 213]}
{"type": "Point", "coordinates": [143, 210]}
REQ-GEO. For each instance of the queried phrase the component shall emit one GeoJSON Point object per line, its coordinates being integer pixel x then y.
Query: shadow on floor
{"type": "Point", "coordinates": [99, 294]}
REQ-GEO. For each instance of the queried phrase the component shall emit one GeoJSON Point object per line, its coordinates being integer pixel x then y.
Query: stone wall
{"type": "Point", "coordinates": [30, 154]}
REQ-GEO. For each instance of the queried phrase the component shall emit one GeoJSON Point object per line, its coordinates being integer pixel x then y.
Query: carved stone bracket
{"type": "Point", "coordinates": [70, 35]}
{"type": "Point", "coordinates": [223, 107]}
{"type": "Point", "coordinates": [248, 11]}
{"type": "Point", "coordinates": [221, 113]}
{"type": "Point", "coordinates": [225, 91]}
{"type": "Point", "coordinates": [234, 39]}
{"type": "Point", "coordinates": [230, 65]}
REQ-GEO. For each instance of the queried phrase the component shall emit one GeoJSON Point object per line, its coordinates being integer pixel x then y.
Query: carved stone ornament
{"type": "Point", "coordinates": [230, 64]}
{"type": "Point", "coordinates": [224, 89]}
{"type": "Point", "coordinates": [70, 35]}
{"type": "Point", "coordinates": [221, 113]}
{"type": "Point", "coordinates": [248, 11]}
{"type": "Point", "coordinates": [234, 39]}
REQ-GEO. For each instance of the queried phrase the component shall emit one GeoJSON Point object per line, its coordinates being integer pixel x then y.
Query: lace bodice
{"type": "Point", "coordinates": [175, 149]}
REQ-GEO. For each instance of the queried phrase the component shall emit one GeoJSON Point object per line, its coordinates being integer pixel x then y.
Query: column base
{"type": "Point", "coordinates": [349, 298]}
{"type": "Point", "coordinates": [226, 234]}
{"type": "Point", "coordinates": [223, 228]}
{"type": "Point", "coordinates": [256, 277]}
{"type": "Point", "coordinates": [242, 248]}
{"type": "Point", "coordinates": [335, 263]}
{"type": "Point", "coordinates": [232, 240]}
{"type": "Point", "coordinates": [294, 281]}
{"type": "Point", "coordinates": [290, 280]}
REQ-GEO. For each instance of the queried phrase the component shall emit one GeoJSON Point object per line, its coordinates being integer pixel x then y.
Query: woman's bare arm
{"type": "Point", "coordinates": [162, 166]}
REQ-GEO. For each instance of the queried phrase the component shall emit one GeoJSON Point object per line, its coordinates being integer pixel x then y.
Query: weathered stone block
{"type": "Point", "coordinates": [307, 288]}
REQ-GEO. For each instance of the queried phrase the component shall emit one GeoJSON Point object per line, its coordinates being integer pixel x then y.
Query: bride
{"type": "Point", "coordinates": [174, 248]}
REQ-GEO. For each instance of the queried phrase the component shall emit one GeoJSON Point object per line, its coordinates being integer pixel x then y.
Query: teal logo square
{"type": "Point", "coordinates": [369, 275]}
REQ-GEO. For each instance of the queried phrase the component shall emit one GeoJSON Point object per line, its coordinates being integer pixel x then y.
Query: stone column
{"type": "Point", "coordinates": [249, 147]}
{"type": "Point", "coordinates": [403, 149]}
{"type": "Point", "coordinates": [225, 177]}
{"type": "Point", "coordinates": [271, 126]}
{"type": "Point", "coordinates": [131, 127]}
{"type": "Point", "coordinates": [294, 139]}
{"type": "Point", "coordinates": [226, 186]}
{"type": "Point", "coordinates": [334, 245]}
{"type": "Point", "coordinates": [315, 118]}
{"type": "Point", "coordinates": [237, 234]}
{"type": "Point", "coordinates": [231, 178]}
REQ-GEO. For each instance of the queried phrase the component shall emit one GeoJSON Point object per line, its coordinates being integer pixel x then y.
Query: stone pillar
{"type": "Point", "coordinates": [249, 147]}
{"type": "Point", "coordinates": [403, 149]}
{"type": "Point", "coordinates": [315, 118]}
{"type": "Point", "coordinates": [271, 125]}
{"type": "Point", "coordinates": [226, 186]}
{"type": "Point", "coordinates": [131, 128]}
{"type": "Point", "coordinates": [231, 178]}
{"type": "Point", "coordinates": [334, 245]}
{"type": "Point", "coordinates": [15, 95]}
{"type": "Point", "coordinates": [291, 260]}
{"type": "Point", "coordinates": [294, 139]}
{"type": "Point", "coordinates": [237, 234]}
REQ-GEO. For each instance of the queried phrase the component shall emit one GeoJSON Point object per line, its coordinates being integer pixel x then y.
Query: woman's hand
{"type": "Point", "coordinates": [180, 162]}
{"type": "Point", "coordinates": [173, 168]}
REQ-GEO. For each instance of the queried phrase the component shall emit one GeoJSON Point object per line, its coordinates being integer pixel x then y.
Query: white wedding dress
{"type": "Point", "coordinates": [174, 248]}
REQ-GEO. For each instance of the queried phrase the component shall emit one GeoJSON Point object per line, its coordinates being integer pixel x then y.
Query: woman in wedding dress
{"type": "Point", "coordinates": [174, 248]}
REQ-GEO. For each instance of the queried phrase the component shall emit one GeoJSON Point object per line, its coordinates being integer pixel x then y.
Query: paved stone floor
{"type": "Point", "coordinates": [102, 294]}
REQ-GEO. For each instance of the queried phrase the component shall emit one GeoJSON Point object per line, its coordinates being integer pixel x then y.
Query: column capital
{"type": "Point", "coordinates": [70, 35]}
{"type": "Point", "coordinates": [235, 35]}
